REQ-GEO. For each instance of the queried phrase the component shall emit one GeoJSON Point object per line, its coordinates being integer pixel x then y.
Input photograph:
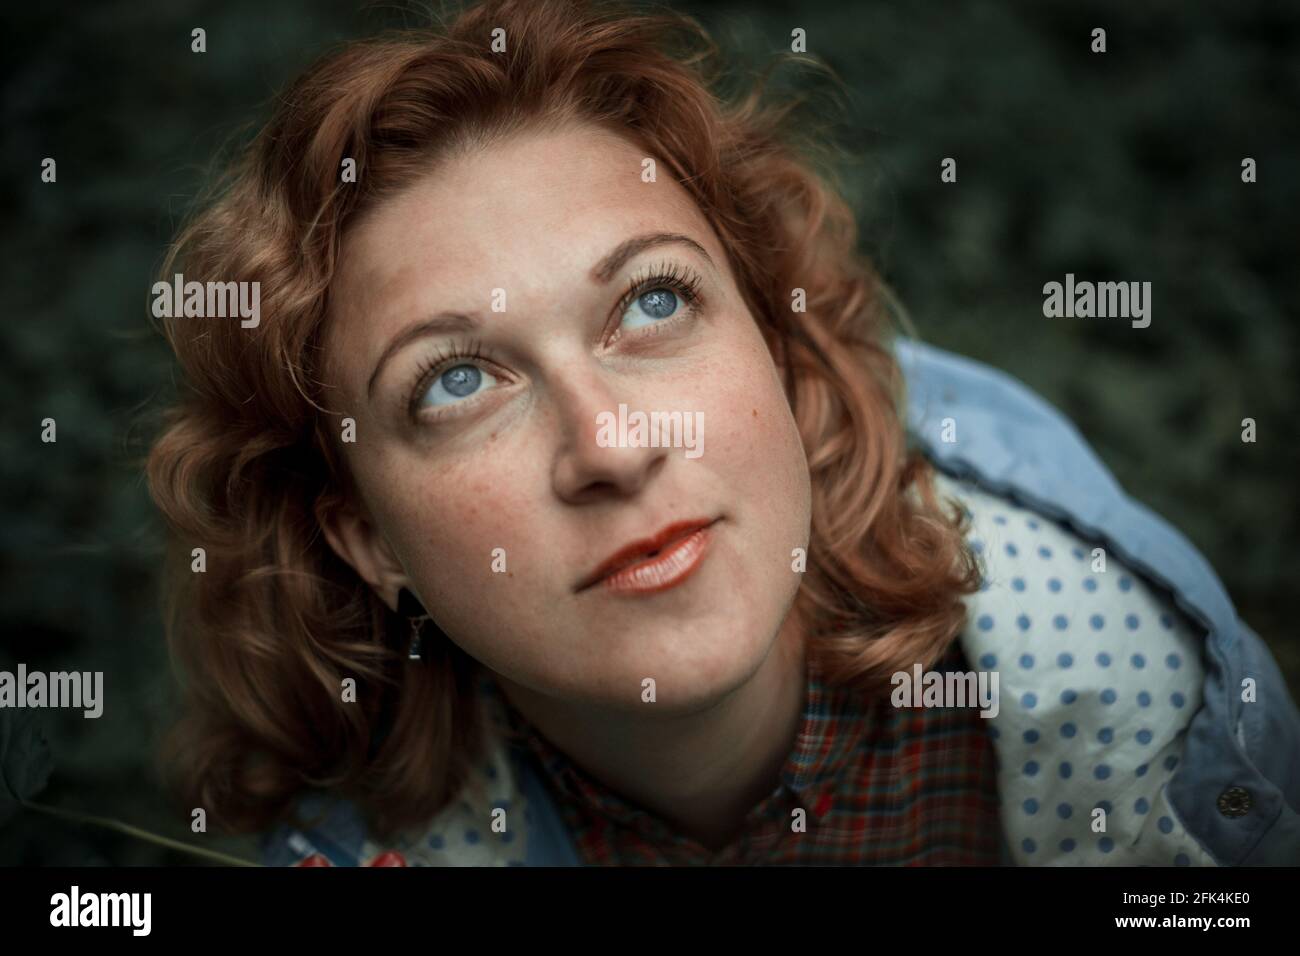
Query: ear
{"type": "Point", "coordinates": [355, 538]}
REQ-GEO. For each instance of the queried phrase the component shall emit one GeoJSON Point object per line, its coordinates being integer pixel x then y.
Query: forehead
{"type": "Point", "coordinates": [533, 208]}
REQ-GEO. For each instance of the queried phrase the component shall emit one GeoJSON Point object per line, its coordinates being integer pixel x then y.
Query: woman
{"type": "Point", "coordinates": [560, 507]}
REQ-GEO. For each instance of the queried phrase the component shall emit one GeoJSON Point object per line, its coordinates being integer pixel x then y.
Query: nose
{"type": "Point", "coordinates": [591, 462]}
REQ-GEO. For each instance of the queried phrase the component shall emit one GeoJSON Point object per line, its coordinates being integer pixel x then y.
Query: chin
{"type": "Point", "coordinates": [695, 666]}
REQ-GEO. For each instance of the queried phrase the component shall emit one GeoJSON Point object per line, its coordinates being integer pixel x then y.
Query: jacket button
{"type": "Point", "coordinates": [1234, 802]}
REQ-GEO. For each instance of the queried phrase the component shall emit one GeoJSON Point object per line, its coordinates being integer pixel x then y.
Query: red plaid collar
{"type": "Point", "coordinates": [832, 726]}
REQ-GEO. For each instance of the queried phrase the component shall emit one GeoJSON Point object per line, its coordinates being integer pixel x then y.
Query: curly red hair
{"type": "Point", "coordinates": [246, 463]}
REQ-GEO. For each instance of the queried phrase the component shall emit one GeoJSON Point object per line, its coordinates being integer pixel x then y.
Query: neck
{"type": "Point", "coordinates": [700, 772]}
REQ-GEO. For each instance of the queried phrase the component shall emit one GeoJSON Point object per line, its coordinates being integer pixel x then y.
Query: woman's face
{"type": "Point", "coordinates": [479, 442]}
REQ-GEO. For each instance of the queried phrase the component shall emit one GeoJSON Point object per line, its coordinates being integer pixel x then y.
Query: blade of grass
{"type": "Point", "coordinates": [138, 833]}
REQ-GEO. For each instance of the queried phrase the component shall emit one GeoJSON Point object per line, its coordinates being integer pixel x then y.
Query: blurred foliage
{"type": "Point", "coordinates": [1122, 166]}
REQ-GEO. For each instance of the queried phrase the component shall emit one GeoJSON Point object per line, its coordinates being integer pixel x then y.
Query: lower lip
{"type": "Point", "coordinates": [667, 569]}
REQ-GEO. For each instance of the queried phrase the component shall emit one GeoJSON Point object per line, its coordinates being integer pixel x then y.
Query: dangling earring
{"type": "Point", "coordinates": [409, 607]}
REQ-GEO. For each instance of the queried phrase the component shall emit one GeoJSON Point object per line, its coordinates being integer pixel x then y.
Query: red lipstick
{"type": "Point", "coordinates": [656, 563]}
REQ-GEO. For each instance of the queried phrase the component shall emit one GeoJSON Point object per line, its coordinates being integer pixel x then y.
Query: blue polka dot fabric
{"type": "Point", "coordinates": [1099, 676]}
{"type": "Point", "coordinates": [486, 826]}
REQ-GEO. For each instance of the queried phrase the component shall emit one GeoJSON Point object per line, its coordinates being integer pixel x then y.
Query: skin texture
{"type": "Point", "coordinates": [516, 465]}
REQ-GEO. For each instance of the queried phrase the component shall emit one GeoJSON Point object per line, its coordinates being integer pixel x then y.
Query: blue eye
{"type": "Point", "coordinates": [656, 305]}
{"type": "Point", "coordinates": [458, 382]}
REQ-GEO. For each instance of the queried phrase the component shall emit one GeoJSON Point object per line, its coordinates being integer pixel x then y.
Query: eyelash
{"type": "Point", "coordinates": [667, 275]}
{"type": "Point", "coordinates": [679, 279]}
{"type": "Point", "coordinates": [430, 367]}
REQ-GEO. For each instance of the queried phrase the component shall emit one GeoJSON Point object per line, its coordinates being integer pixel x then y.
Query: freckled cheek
{"type": "Point", "coordinates": [750, 429]}
{"type": "Point", "coordinates": [472, 521]}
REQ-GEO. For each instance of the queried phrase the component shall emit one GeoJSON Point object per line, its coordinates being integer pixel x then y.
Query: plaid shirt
{"type": "Point", "coordinates": [880, 786]}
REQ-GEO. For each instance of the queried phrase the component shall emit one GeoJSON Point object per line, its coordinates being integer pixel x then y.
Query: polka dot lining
{"type": "Point", "coordinates": [1099, 678]}
{"type": "Point", "coordinates": [463, 833]}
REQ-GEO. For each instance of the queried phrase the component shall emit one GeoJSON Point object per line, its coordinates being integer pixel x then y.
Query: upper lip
{"type": "Point", "coordinates": [631, 553]}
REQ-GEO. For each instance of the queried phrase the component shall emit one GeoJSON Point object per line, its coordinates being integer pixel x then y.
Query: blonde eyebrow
{"type": "Point", "coordinates": [608, 267]}
{"type": "Point", "coordinates": [440, 324]}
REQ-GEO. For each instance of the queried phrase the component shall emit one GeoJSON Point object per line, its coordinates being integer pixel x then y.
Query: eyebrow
{"type": "Point", "coordinates": [607, 268]}
{"type": "Point", "coordinates": [601, 274]}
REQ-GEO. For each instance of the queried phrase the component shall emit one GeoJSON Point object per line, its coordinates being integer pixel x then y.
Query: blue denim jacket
{"type": "Point", "coordinates": [1237, 788]}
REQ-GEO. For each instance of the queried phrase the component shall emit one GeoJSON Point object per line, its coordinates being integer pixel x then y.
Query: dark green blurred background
{"type": "Point", "coordinates": [1122, 166]}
